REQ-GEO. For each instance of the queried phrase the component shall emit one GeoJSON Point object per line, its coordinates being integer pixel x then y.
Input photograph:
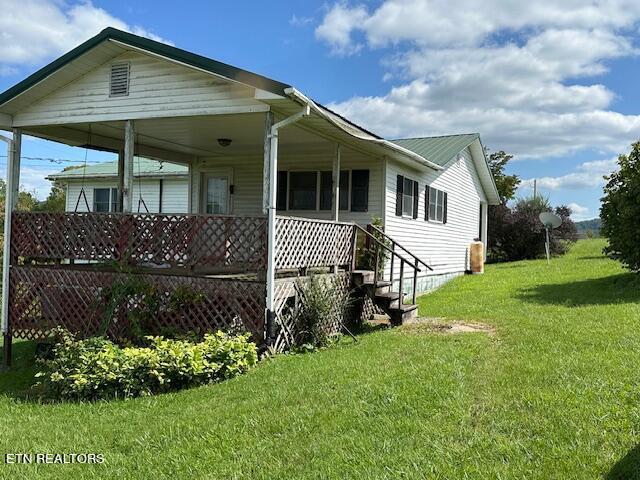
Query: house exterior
{"type": "Point", "coordinates": [264, 181]}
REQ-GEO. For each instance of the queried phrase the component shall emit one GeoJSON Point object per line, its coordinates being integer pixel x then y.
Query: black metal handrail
{"type": "Point", "coordinates": [376, 273]}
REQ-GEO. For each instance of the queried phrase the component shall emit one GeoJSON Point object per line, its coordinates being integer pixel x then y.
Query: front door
{"type": "Point", "coordinates": [216, 199]}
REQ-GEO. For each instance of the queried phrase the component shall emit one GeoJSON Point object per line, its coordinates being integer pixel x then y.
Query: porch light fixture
{"type": "Point", "coordinates": [224, 142]}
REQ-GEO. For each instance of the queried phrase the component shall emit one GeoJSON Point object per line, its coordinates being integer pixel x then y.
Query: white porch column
{"type": "Point", "coordinates": [335, 198]}
{"type": "Point", "coordinates": [268, 123]}
{"type": "Point", "coordinates": [129, 144]}
{"type": "Point", "coordinates": [272, 179]}
{"type": "Point", "coordinates": [14, 147]}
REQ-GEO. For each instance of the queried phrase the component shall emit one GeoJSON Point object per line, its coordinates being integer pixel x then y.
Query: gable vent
{"type": "Point", "coordinates": [119, 81]}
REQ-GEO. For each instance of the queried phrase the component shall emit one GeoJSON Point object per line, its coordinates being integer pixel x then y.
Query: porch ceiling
{"type": "Point", "coordinates": [182, 138]}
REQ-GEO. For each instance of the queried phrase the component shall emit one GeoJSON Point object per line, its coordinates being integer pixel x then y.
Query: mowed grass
{"type": "Point", "coordinates": [554, 393]}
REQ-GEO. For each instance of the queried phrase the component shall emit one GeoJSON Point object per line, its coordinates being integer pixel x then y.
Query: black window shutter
{"type": "Point", "coordinates": [281, 196]}
{"type": "Point", "coordinates": [444, 209]}
{"type": "Point", "coordinates": [359, 190]}
{"type": "Point", "coordinates": [426, 202]}
{"type": "Point", "coordinates": [399, 184]}
{"type": "Point", "coordinates": [415, 199]}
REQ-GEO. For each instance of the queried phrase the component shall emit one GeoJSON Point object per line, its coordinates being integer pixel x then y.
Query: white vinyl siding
{"type": "Point", "coordinates": [248, 182]}
{"type": "Point", "coordinates": [442, 245]}
{"type": "Point", "coordinates": [157, 88]}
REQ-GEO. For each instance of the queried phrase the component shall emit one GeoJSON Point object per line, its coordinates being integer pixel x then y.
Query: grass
{"type": "Point", "coordinates": [554, 393]}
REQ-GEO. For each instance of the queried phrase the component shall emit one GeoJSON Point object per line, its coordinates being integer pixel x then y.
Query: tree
{"type": "Point", "coordinates": [519, 234]}
{"type": "Point", "coordinates": [506, 184]}
{"type": "Point", "coordinates": [56, 201]}
{"type": "Point", "coordinates": [620, 210]}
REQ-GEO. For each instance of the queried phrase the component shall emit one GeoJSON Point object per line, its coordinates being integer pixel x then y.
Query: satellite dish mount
{"type": "Point", "coordinates": [550, 221]}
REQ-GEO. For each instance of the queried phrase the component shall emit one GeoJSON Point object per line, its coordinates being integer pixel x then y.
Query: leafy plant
{"type": "Point", "coordinates": [322, 303]}
{"type": "Point", "coordinates": [620, 210]}
{"type": "Point", "coordinates": [139, 303]}
{"type": "Point", "coordinates": [97, 368]}
{"type": "Point", "coordinates": [368, 251]}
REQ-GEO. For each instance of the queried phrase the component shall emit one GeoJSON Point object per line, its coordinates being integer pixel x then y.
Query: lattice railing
{"type": "Point", "coordinates": [42, 298]}
{"type": "Point", "coordinates": [304, 243]}
{"type": "Point", "coordinates": [194, 242]}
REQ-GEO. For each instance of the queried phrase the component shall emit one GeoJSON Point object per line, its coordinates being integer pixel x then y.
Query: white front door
{"type": "Point", "coordinates": [216, 199]}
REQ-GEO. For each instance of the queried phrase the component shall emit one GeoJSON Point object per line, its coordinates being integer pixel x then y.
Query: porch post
{"type": "Point", "coordinates": [268, 123]}
{"type": "Point", "coordinates": [127, 190]}
{"type": "Point", "coordinates": [14, 148]}
{"type": "Point", "coordinates": [120, 180]}
{"type": "Point", "coordinates": [271, 139]}
{"type": "Point", "coordinates": [335, 200]}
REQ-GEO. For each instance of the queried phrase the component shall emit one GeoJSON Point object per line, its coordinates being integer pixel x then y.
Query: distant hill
{"type": "Point", "coordinates": [588, 228]}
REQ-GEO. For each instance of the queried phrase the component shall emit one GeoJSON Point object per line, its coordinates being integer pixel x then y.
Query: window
{"type": "Point", "coordinates": [435, 205]}
{"type": "Point", "coordinates": [217, 195]}
{"type": "Point", "coordinates": [406, 197]}
{"type": "Point", "coordinates": [326, 190]}
{"type": "Point", "coordinates": [359, 190]}
{"type": "Point", "coordinates": [314, 190]}
{"type": "Point", "coordinates": [105, 200]}
{"type": "Point", "coordinates": [303, 190]}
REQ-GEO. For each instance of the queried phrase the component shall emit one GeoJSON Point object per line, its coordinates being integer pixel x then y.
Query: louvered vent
{"type": "Point", "coordinates": [119, 84]}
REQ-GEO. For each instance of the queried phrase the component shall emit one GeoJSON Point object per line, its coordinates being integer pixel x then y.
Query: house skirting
{"type": "Point", "coordinates": [426, 283]}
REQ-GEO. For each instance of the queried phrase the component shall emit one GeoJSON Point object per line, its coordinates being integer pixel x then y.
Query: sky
{"type": "Point", "coordinates": [551, 82]}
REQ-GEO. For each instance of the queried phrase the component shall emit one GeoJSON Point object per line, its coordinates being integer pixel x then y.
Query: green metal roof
{"type": "Point", "coordinates": [438, 150]}
{"type": "Point", "coordinates": [177, 54]}
{"type": "Point", "coordinates": [143, 167]}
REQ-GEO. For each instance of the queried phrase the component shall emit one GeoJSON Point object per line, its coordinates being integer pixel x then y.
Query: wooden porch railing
{"type": "Point", "coordinates": [308, 243]}
{"type": "Point", "coordinates": [372, 233]}
{"type": "Point", "coordinates": [196, 243]}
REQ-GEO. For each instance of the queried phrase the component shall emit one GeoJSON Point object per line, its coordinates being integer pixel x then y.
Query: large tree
{"type": "Point", "coordinates": [506, 184]}
{"type": "Point", "coordinates": [620, 210]}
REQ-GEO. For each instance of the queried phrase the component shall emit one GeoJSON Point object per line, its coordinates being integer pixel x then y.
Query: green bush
{"type": "Point", "coordinates": [97, 368]}
{"type": "Point", "coordinates": [323, 303]}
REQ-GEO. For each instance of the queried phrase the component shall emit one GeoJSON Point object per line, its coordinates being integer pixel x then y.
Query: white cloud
{"type": "Point", "coordinates": [588, 174]}
{"type": "Point", "coordinates": [337, 26]}
{"type": "Point", "coordinates": [300, 21]}
{"type": "Point", "coordinates": [514, 71]}
{"type": "Point", "coordinates": [32, 31]}
{"type": "Point", "coordinates": [578, 212]}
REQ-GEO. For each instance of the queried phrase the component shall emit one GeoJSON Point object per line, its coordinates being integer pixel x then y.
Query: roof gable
{"type": "Point", "coordinates": [124, 38]}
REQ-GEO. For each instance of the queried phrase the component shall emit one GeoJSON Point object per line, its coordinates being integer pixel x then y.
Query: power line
{"type": "Point", "coordinates": [57, 161]}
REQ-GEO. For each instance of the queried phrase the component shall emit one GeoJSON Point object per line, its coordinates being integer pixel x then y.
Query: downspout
{"type": "Point", "coordinates": [8, 208]}
{"type": "Point", "coordinates": [271, 221]}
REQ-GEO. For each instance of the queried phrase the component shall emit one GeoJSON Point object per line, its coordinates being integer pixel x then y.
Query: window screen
{"type": "Point", "coordinates": [302, 190]}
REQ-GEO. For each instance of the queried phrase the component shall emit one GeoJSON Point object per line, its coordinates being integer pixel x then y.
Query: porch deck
{"type": "Point", "coordinates": [61, 263]}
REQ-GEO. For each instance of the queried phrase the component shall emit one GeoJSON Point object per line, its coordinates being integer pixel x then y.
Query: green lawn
{"type": "Point", "coordinates": [554, 393]}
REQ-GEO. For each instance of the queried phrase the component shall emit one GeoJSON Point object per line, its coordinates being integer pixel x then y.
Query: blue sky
{"type": "Point", "coordinates": [552, 84]}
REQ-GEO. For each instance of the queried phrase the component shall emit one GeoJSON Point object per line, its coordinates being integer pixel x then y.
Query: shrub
{"type": "Point", "coordinates": [367, 253]}
{"type": "Point", "coordinates": [620, 210]}
{"type": "Point", "coordinates": [323, 302]}
{"type": "Point", "coordinates": [517, 233]}
{"type": "Point", "coordinates": [97, 368]}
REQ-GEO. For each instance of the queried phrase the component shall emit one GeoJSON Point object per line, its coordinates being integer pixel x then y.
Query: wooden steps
{"type": "Point", "coordinates": [392, 303]}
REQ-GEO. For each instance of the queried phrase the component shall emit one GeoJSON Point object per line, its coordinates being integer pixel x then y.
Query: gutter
{"type": "Point", "coordinates": [301, 98]}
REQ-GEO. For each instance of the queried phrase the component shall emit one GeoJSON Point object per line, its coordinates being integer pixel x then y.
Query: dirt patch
{"type": "Point", "coordinates": [441, 325]}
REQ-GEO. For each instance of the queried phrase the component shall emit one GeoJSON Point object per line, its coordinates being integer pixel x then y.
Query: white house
{"type": "Point", "coordinates": [269, 181]}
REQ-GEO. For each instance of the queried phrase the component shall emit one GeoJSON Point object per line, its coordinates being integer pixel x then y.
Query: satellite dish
{"type": "Point", "coordinates": [550, 221]}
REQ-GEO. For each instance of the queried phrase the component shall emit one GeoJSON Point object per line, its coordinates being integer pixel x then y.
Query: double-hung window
{"type": "Point", "coordinates": [105, 200]}
{"type": "Point", "coordinates": [435, 205]}
{"type": "Point", "coordinates": [406, 197]}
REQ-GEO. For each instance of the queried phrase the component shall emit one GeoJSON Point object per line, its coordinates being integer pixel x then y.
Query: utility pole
{"type": "Point", "coordinates": [535, 188]}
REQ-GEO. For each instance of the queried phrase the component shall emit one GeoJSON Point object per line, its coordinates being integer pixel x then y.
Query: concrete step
{"type": "Point", "coordinates": [401, 314]}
